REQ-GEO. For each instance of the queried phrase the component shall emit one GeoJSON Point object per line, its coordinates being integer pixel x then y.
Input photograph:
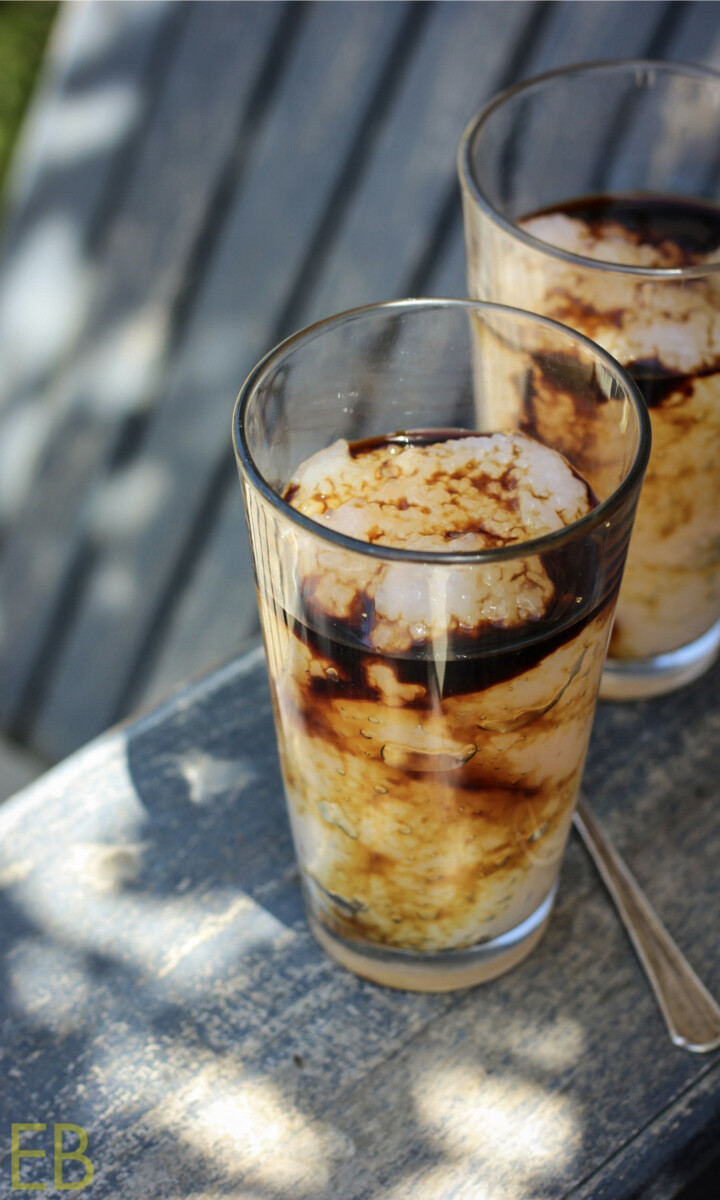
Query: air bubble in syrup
{"type": "Point", "coordinates": [334, 815]}
{"type": "Point", "coordinates": [351, 906]}
{"type": "Point", "coordinates": [437, 759]}
{"type": "Point", "coordinates": [538, 833]}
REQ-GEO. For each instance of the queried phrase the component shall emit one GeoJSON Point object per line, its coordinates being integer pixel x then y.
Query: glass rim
{"type": "Point", "coordinates": [599, 66]}
{"type": "Point", "coordinates": [532, 546]}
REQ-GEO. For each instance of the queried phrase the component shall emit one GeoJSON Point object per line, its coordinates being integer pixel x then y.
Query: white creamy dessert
{"type": "Point", "coordinates": [469, 494]}
{"type": "Point", "coordinates": [433, 717]}
{"type": "Point", "coordinates": [666, 331]}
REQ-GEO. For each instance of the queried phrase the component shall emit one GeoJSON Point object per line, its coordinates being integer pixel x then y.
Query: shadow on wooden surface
{"type": "Point", "coordinates": [161, 989]}
{"type": "Point", "coordinates": [196, 181]}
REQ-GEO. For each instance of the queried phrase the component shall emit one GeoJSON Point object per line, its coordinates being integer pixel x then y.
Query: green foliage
{"type": "Point", "coordinates": [24, 29]}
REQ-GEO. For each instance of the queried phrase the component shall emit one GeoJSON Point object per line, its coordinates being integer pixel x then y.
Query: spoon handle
{"type": "Point", "coordinates": [691, 1014]}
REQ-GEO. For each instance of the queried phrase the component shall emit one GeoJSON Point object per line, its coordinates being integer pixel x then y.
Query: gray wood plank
{"type": "Point", "coordinates": [81, 131]}
{"type": "Point", "coordinates": [18, 768]}
{"type": "Point", "coordinates": [137, 559]}
{"type": "Point", "coordinates": [452, 49]}
{"type": "Point", "coordinates": [576, 33]}
{"type": "Point", "coordinates": [95, 51]}
{"type": "Point", "coordinates": [146, 260]}
{"type": "Point", "coordinates": [413, 170]}
{"type": "Point", "coordinates": [378, 248]}
{"type": "Point", "coordinates": [684, 1132]}
{"type": "Point", "coordinates": [297, 161]}
{"type": "Point", "coordinates": [159, 983]}
{"type": "Point", "coordinates": [464, 55]}
{"type": "Point", "coordinates": [697, 38]}
{"type": "Point", "coordinates": [199, 631]}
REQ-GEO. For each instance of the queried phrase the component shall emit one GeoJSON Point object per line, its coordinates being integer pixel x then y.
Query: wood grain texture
{"type": "Point", "coordinates": [86, 115]}
{"type": "Point", "coordinates": [320, 179]}
{"type": "Point", "coordinates": [114, 377]}
{"type": "Point", "coordinates": [85, 127]}
{"type": "Point", "coordinates": [390, 226]}
{"type": "Point", "coordinates": [463, 54]}
{"type": "Point", "coordinates": [160, 988]}
{"type": "Point", "coordinates": [297, 158]}
{"type": "Point", "coordinates": [408, 135]}
{"type": "Point", "coordinates": [572, 34]}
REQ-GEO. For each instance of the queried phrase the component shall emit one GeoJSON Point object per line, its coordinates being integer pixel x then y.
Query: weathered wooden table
{"type": "Point", "coordinates": [161, 991]}
{"type": "Point", "coordinates": [198, 180]}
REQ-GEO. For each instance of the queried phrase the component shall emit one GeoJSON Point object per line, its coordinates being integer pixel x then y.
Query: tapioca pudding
{"type": "Point", "coordinates": [434, 716]}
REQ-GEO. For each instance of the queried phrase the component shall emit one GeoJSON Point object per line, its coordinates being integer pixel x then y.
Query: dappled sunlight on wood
{"type": "Point", "coordinates": [128, 500]}
{"type": "Point", "coordinates": [470, 1113]}
{"type": "Point", "coordinates": [122, 364]}
{"type": "Point", "coordinates": [158, 957]}
{"type": "Point", "coordinates": [251, 1131]}
{"type": "Point", "coordinates": [92, 122]}
{"type": "Point", "coordinates": [560, 1044]}
{"type": "Point", "coordinates": [108, 908]}
{"type": "Point", "coordinates": [198, 181]}
{"type": "Point", "coordinates": [209, 777]}
{"type": "Point", "coordinates": [188, 937]}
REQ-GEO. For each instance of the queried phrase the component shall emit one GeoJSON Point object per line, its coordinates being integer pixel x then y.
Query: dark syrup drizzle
{"type": "Point", "coordinates": [472, 660]}
{"type": "Point", "coordinates": [693, 226]}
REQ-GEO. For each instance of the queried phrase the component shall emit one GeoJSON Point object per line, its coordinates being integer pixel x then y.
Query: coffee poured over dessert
{"type": "Point", "coordinates": [666, 332]}
{"type": "Point", "coordinates": [434, 716]}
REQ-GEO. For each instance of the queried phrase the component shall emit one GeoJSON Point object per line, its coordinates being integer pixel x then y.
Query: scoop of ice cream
{"type": "Point", "coordinates": [472, 493]}
{"type": "Point", "coordinates": [469, 493]}
{"type": "Point", "coordinates": [608, 240]}
{"type": "Point", "coordinates": [636, 319]}
{"type": "Point", "coordinates": [666, 329]}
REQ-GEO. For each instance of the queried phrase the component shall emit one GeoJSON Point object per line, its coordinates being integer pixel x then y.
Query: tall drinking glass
{"type": "Point", "coordinates": [433, 705]}
{"type": "Point", "coordinates": [592, 195]}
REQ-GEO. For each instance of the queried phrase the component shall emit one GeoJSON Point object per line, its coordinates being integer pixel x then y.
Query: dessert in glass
{"type": "Point", "coordinates": [436, 589]}
{"type": "Point", "coordinates": [592, 195]}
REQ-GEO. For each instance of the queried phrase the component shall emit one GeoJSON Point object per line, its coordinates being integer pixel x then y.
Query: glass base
{"type": "Point", "coordinates": [639, 679]}
{"type": "Point", "coordinates": [444, 971]}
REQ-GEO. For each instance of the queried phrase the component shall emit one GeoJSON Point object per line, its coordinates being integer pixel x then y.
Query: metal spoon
{"type": "Point", "coordinates": [691, 1014]}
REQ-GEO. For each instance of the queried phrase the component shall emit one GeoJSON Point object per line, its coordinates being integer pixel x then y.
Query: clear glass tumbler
{"type": "Point", "coordinates": [592, 195]}
{"type": "Point", "coordinates": [431, 782]}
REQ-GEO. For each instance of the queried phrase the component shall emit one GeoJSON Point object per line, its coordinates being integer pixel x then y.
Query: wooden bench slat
{"type": "Point", "coordinates": [192, 640]}
{"type": "Point", "coordinates": [576, 33]}
{"type": "Point", "coordinates": [160, 985]}
{"type": "Point", "coordinates": [279, 205]}
{"type": "Point", "coordinates": [114, 376]}
{"type": "Point", "coordinates": [409, 192]}
{"type": "Point", "coordinates": [697, 38]}
{"type": "Point", "coordinates": [84, 127]}
{"type": "Point", "coordinates": [464, 52]}
{"type": "Point", "coordinates": [462, 60]}
{"type": "Point", "coordinates": [236, 247]}
{"type": "Point", "coordinates": [91, 601]}
{"type": "Point", "coordinates": [151, 915]}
